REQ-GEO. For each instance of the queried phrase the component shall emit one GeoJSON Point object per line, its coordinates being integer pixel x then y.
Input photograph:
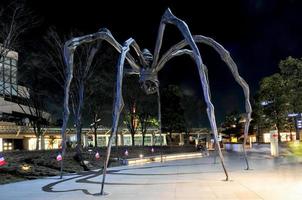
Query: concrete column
{"type": "Point", "coordinates": [121, 139]}
{"type": "Point", "coordinates": [181, 139]}
{"type": "Point", "coordinates": [164, 139]}
{"type": "Point", "coordinates": [208, 141]}
{"type": "Point", "coordinates": [94, 139]}
{"type": "Point", "coordinates": [85, 140]}
{"type": "Point", "coordinates": [118, 139]}
{"type": "Point", "coordinates": [42, 142]}
{"type": "Point", "coordinates": [274, 143]}
{"type": "Point", "coordinates": [1, 145]}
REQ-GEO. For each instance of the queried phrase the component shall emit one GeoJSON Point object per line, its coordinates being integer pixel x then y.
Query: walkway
{"type": "Point", "coordinates": [197, 178]}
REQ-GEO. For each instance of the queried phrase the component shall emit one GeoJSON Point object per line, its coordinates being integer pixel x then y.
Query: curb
{"type": "Point", "coordinates": [157, 158]}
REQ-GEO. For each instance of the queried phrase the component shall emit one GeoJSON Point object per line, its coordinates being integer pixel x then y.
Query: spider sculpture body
{"type": "Point", "coordinates": [147, 67]}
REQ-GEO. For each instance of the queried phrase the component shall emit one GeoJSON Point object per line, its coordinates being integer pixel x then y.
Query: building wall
{"type": "Point", "coordinates": [52, 138]}
{"type": "Point", "coordinates": [12, 135]}
{"type": "Point", "coordinates": [10, 91]}
{"type": "Point", "coordinates": [285, 136]}
{"type": "Point", "coordinates": [124, 140]}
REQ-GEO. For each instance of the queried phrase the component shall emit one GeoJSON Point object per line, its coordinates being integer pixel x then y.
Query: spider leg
{"type": "Point", "coordinates": [190, 53]}
{"type": "Point", "coordinates": [105, 34]}
{"type": "Point", "coordinates": [118, 104]}
{"type": "Point", "coordinates": [159, 121]}
{"type": "Point", "coordinates": [225, 56]}
{"type": "Point", "coordinates": [169, 18]}
{"type": "Point", "coordinates": [68, 58]}
{"type": "Point", "coordinates": [69, 49]}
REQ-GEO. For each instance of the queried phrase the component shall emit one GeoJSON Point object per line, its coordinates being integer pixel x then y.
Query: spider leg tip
{"type": "Point", "coordinates": [168, 11]}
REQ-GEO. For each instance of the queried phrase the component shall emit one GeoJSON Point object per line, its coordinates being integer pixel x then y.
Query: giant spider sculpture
{"type": "Point", "coordinates": [147, 67]}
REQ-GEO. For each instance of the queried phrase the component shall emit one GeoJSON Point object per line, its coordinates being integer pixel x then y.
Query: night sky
{"type": "Point", "coordinates": [257, 33]}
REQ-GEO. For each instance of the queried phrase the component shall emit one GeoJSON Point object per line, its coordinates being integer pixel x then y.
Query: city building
{"type": "Point", "coordinates": [14, 137]}
{"type": "Point", "coordinates": [14, 115]}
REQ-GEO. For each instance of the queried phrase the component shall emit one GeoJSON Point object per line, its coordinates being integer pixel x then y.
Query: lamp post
{"type": "Point", "coordinates": [95, 125]}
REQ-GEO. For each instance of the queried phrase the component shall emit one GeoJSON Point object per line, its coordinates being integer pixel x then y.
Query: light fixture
{"type": "Point", "coordinates": [25, 167]}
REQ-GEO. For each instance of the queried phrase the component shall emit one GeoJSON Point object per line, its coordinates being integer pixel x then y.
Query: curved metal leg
{"type": "Point", "coordinates": [68, 58]}
{"type": "Point", "coordinates": [177, 50]}
{"type": "Point", "coordinates": [118, 105]}
{"type": "Point", "coordinates": [69, 49]}
{"type": "Point", "coordinates": [168, 17]}
{"type": "Point", "coordinates": [159, 122]}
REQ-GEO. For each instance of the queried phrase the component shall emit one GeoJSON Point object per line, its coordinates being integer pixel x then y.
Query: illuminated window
{"type": "Point", "coordinates": [138, 140]}
{"type": "Point", "coordinates": [127, 140]}
{"type": "Point", "coordinates": [148, 140]}
{"type": "Point", "coordinates": [101, 140]}
{"type": "Point", "coordinates": [158, 139]}
{"type": "Point", "coordinates": [7, 145]}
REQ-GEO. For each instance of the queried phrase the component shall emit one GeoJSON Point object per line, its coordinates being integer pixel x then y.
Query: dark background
{"type": "Point", "coordinates": [257, 33]}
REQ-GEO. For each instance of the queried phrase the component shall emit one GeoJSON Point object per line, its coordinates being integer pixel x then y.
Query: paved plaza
{"type": "Point", "coordinates": [195, 178]}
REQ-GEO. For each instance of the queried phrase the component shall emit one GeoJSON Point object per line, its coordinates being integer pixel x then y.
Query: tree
{"type": "Point", "coordinates": [172, 112]}
{"type": "Point", "coordinates": [291, 72]}
{"type": "Point", "coordinates": [258, 117]}
{"type": "Point", "coordinates": [274, 101]}
{"type": "Point", "coordinates": [84, 66]}
{"type": "Point", "coordinates": [92, 84]}
{"type": "Point", "coordinates": [32, 98]}
{"type": "Point", "coordinates": [15, 20]}
{"type": "Point", "coordinates": [279, 95]}
{"type": "Point", "coordinates": [39, 119]}
{"type": "Point", "coordinates": [147, 114]}
{"type": "Point", "coordinates": [139, 112]}
{"type": "Point", "coordinates": [132, 95]}
{"type": "Point", "coordinates": [193, 107]}
{"type": "Point", "coordinates": [100, 92]}
{"type": "Point", "coordinates": [232, 125]}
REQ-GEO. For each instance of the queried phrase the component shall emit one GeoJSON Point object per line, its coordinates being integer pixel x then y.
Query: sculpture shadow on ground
{"type": "Point", "coordinates": [85, 177]}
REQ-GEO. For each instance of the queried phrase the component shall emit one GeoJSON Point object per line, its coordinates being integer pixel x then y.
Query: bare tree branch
{"type": "Point", "coordinates": [15, 20]}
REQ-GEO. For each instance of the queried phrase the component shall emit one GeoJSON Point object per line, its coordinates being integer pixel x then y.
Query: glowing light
{"type": "Point", "coordinates": [145, 160]}
{"type": "Point", "coordinates": [234, 139]}
{"type": "Point", "coordinates": [25, 167]}
{"type": "Point", "coordinates": [59, 157]}
{"type": "Point", "coordinates": [292, 114]}
{"type": "Point", "coordinates": [97, 155]}
{"type": "Point", "coordinates": [299, 124]}
{"type": "Point", "coordinates": [265, 103]}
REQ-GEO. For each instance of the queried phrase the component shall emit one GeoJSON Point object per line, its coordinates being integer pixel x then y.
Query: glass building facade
{"type": "Point", "coordinates": [8, 74]}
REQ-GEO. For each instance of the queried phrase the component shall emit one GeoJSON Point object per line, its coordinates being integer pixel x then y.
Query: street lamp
{"type": "Point", "coordinates": [95, 125]}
